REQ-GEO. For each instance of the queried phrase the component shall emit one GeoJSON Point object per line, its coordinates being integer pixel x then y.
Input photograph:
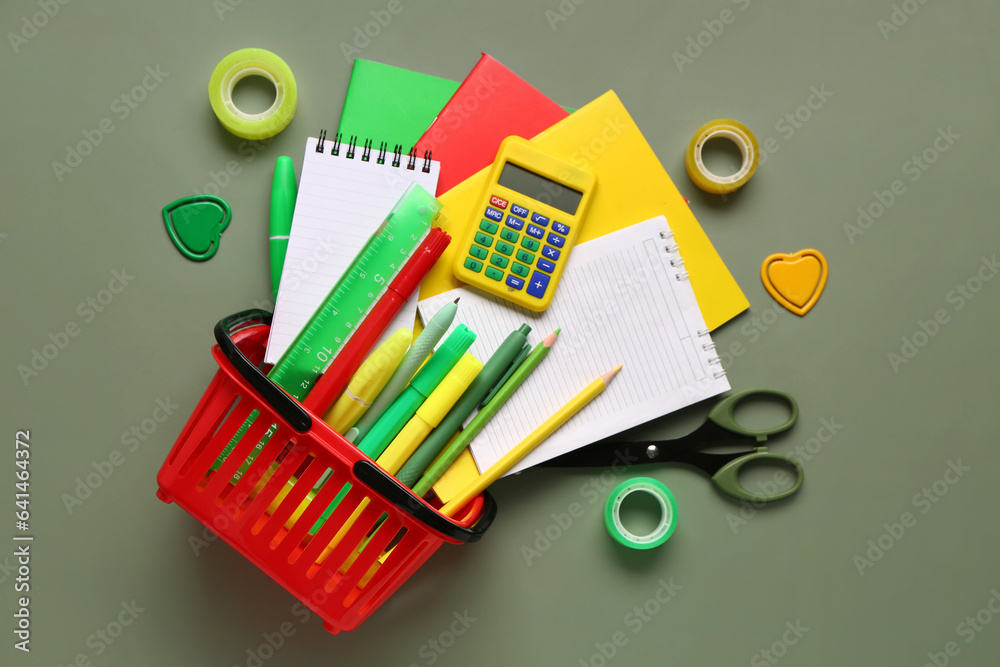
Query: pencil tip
{"type": "Point", "coordinates": [456, 299]}
{"type": "Point", "coordinates": [550, 339]}
{"type": "Point", "coordinates": [610, 374]}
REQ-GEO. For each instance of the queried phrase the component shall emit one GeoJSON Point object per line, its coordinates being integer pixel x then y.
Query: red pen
{"type": "Point", "coordinates": [334, 381]}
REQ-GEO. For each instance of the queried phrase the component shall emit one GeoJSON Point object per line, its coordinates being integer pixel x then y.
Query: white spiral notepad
{"type": "Point", "coordinates": [624, 299]}
{"type": "Point", "coordinates": [345, 192]}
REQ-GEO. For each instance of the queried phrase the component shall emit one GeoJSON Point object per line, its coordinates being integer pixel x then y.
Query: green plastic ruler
{"type": "Point", "coordinates": [356, 293]}
{"type": "Point", "coordinates": [349, 302]}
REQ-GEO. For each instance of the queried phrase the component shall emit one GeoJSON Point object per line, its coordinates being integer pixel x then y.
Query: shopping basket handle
{"type": "Point", "coordinates": [393, 490]}
{"type": "Point", "coordinates": [286, 406]}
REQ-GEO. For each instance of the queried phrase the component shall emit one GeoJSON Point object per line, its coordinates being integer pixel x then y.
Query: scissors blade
{"type": "Point", "coordinates": [686, 449]}
{"type": "Point", "coordinates": [597, 455]}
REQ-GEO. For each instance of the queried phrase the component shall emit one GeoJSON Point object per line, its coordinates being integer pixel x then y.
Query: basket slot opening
{"type": "Point", "coordinates": [352, 533]}
{"type": "Point", "coordinates": [395, 566]}
{"type": "Point", "coordinates": [264, 466]}
{"type": "Point", "coordinates": [287, 514]}
{"type": "Point", "coordinates": [365, 562]}
{"type": "Point", "coordinates": [222, 479]}
{"type": "Point", "coordinates": [315, 516]}
{"type": "Point", "coordinates": [213, 407]}
{"type": "Point", "coordinates": [209, 423]}
{"type": "Point", "coordinates": [208, 460]}
{"type": "Point", "coordinates": [292, 457]}
{"type": "Point", "coordinates": [329, 527]}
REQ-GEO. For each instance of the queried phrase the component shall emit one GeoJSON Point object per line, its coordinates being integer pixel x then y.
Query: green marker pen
{"type": "Point", "coordinates": [423, 383]}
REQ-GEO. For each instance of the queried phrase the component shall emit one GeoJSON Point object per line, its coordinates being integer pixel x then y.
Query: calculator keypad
{"type": "Point", "coordinates": [511, 248]}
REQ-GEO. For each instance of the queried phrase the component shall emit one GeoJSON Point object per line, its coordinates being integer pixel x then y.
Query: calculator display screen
{"type": "Point", "coordinates": [540, 188]}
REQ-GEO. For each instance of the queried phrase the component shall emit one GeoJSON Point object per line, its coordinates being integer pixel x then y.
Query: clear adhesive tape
{"type": "Point", "coordinates": [727, 129]}
{"type": "Point", "coordinates": [668, 513]}
{"type": "Point", "coordinates": [253, 62]}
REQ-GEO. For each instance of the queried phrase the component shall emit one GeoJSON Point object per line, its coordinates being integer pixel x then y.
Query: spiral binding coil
{"type": "Point", "coordinates": [366, 151]}
{"type": "Point", "coordinates": [677, 262]}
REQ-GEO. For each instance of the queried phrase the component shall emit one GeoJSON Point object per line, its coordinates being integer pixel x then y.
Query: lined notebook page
{"type": "Point", "coordinates": [341, 202]}
{"type": "Point", "coordinates": [624, 299]}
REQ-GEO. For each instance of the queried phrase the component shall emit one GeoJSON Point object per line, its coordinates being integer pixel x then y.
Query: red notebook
{"type": "Point", "coordinates": [489, 106]}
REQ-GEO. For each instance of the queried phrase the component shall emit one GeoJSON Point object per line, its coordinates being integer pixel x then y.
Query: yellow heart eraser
{"type": "Point", "coordinates": [797, 280]}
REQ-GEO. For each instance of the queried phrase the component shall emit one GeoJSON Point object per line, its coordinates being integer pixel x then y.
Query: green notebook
{"type": "Point", "coordinates": [392, 104]}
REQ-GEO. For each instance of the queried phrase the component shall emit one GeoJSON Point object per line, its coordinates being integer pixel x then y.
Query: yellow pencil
{"type": "Point", "coordinates": [368, 382]}
{"type": "Point", "coordinates": [507, 461]}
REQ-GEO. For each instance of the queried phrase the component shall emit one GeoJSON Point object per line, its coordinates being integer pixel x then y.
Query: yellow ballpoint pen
{"type": "Point", "coordinates": [430, 414]}
{"type": "Point", "coordinates": [507, 461]}
{"type": "Point", "coordinates": [368, 382]}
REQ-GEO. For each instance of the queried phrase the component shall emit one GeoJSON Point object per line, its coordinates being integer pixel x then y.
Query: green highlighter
{"type": "Point", "coordinates": [496, 371]}
{"type": "Point", "coordinates": [423, 383]}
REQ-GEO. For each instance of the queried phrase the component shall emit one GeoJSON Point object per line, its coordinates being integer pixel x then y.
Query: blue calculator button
{"type": "Point", "coordinates": [515, 223]}
{"type": "Point", "coordinates": [519, 210]}
{"type": "Point", "coordinates": [539, 220]}
{"type": "Point", "coordinates": [548, 252]}
{"type": "Point", "coordinates": [494, 214]}
{"type": "Point", "coordinates": [561, 228]}
{"type": "Point", "coordinates": [515, 282]}
{"type": "Point", "coordinates": [537, 232]}
{"type": "Point", "coordinates": [546, 266]}
{"type": "Point", "coordinates": [555, 240]}
{"type": "Point", "coordinates": [538, 284]}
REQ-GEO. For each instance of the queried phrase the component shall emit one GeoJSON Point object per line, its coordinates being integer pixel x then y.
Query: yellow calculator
{"type": "Point", "coordinates": [525, 224]}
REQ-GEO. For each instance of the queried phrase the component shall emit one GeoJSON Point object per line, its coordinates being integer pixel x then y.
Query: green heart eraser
{"type": "Point", "coordinates": [195, 224]}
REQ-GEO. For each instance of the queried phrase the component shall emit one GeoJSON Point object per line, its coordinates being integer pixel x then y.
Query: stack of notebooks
{"type": "Point", "coordinates": [644, 286]}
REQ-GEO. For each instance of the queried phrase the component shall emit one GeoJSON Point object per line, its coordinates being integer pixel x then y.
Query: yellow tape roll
{"type": "Point", "coordinates": [253, 62]}
{"type": "Point", "coordinates": [737, 133]}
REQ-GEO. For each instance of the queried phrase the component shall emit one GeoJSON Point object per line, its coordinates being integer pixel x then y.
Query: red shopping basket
{"type": "Point", "coordinates": [342, 568]}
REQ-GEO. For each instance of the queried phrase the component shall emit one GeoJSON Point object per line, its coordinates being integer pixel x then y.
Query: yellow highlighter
{"type": "Point", "coordinates": [430, 414]}
{"type": "Point", "coordinates": [368, 382]}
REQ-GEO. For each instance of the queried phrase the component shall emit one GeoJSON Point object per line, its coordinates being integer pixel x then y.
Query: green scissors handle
{"type": "Point", "coordinates": [720, 429]}
{"type": "Point", "coordinates": [727, 479]}
{"type": "Point", "coordinates": [724, 413]}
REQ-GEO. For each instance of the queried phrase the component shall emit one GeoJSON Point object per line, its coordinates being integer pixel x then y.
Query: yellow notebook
{"type": "Point", "coordinates": [631, 186]}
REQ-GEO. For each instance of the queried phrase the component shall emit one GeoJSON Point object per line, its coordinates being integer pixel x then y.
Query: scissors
{"type": "Point", "coordinates": [719, 430]}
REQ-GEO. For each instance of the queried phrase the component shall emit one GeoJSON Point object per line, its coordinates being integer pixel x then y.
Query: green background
{"type": "Point", "coordinates": [745, 575]}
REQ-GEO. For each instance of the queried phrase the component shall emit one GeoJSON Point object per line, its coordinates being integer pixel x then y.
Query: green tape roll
{"type": "Point", "coordinates": [668, 513]}
{"type": "Point", "coordinates": [253, 62]}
